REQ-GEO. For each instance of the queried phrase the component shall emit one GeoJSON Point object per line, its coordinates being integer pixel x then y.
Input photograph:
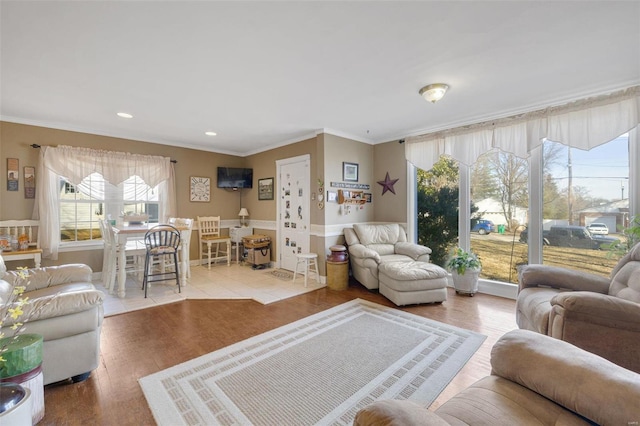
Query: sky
{"type": "Point", "coordinates": [604, 170]}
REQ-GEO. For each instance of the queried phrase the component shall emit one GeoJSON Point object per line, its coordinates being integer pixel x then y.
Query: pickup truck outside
{"type": "Point", "coordinates": [572, 236]}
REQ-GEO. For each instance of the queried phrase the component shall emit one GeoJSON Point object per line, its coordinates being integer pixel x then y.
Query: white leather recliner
{"type": "Point", "coordinates": [66, 310]}
{"type": "Point", "coordinates": [371, 245]}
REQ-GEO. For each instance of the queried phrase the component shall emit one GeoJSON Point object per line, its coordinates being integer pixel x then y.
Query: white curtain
{"type": "Point", "coordinates": [75, 164]}
{"type": "Point", "coordinates": [583, 124]}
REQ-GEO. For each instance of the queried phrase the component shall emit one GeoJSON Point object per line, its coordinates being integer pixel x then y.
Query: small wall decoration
{"type": "Point", "coordinates": [320, 194]}
{"type": "Point", "coordinates": [200, 189]}
{"type": "Point", "coordinates": [349, 185]}
{"type": "Point", "coordinates": [29, 182]}
{"type": "Point", "coordinates": [332, 196]}
{"type": "Point", "coordinates": [349, 172]}
{"type": "Point", "coordinates": [265, 189]}
{"type": "Point", "coordinates": [367, 196]}
{"type": "Point", "coordinates": [387, 184]}
{"type": "Point", "coordinates": [13, 174]}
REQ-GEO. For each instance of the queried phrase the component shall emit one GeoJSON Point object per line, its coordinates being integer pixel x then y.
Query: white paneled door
{"type": "Point", "coordinates": [293, 209]}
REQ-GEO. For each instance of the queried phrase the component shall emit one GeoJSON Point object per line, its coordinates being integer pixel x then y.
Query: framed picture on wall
{"type": "Point", "coordinates": [349, 172]}
{"type": "Point", "coordinates": [29, 182]}
{"type": "Point", "coordinates": [265, 189]}
{"type": "Point", "coordinates": [13, 171]}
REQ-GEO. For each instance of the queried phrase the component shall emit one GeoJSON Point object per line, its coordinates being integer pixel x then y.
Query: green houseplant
{"type": "Point", "coordinates": [631, 236]}
{"type": "Point", "coordinates": [465, 267]}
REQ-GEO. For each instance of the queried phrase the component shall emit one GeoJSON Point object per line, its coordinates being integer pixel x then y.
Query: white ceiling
{"type": "Point", "coordinates": [262, 74]}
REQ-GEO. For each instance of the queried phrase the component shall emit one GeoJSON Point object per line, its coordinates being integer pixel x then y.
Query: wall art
{"type": "Point", "coordinates": [13, 174]}
{"type": "Point", "coordinates": [349, 172]}
{"type": "Point", "coordinates": [29, 182]}
{"type": "Point", "coordinates": [200, 188]}
{"type": "Point", "coordinates": [265, 189]}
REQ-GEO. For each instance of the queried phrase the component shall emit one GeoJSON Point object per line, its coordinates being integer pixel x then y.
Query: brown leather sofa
{"type": "Point", "coordinates": [66, 309]}
{"type": "Point", "coordinates": [535, 380]}
{"type": "Point", "coordinates": [598, 314]}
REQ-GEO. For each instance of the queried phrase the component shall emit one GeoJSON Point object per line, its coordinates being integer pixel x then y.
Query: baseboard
{"type": "Point", "coordinates": [495, 288]}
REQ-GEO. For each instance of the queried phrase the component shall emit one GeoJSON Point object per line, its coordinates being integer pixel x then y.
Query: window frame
{"type": "Point", "coordinates": [109, 202]}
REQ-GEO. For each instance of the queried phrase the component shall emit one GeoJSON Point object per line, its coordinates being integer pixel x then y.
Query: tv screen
{"type": "Point", "coordinates": [235, 177]}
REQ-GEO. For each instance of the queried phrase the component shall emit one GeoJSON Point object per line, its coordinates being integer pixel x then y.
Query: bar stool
{"type": "Point", "coordinates": [310, 262]}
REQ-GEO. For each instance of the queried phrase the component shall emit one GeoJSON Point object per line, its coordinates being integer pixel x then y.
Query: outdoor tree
{"type": "Point", "coordinates": [504, 177]}
{"type": "Point", "coordinates": [438, 208]}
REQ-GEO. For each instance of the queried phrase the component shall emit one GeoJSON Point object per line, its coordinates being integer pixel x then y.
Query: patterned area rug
{"type": "Point", "coordinates": [282, 274]}
{"type": "Point", "coordinates": [318, 370]}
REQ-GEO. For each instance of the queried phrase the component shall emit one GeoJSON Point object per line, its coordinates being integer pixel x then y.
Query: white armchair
{"type": "Point", "coordinates": [371, 245]}
{"type": "Point", "coordinates": [66, 310]}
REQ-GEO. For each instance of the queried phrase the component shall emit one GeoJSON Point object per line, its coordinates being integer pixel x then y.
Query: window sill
{"type": "Point", "coordinates": [81, 246]}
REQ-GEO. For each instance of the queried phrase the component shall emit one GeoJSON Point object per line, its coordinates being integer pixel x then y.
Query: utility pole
{"type": "Point", "coordinates": [570, 186]}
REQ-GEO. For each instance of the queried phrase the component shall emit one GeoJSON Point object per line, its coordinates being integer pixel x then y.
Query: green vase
{"type": "Point", "coordinates": [23, 354]}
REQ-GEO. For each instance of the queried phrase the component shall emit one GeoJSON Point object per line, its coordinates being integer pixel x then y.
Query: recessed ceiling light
{"type": "Point", "coordinates": [210, 133]}
{"type": "Point", "coordinates": [124, 115]}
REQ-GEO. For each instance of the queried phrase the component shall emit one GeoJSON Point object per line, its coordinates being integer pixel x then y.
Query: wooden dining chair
{"type": "Point", "coordinates": [134, 253]}
{"type": "Point", "coordinates": [209, 234]}
{"type": "Point", "coordinates": [185, 226]}
{"type": "Point", "coordinates": [161, 240]}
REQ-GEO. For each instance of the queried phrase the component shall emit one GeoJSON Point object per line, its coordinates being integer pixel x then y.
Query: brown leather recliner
{"type": "Point", "coordinates": [535, 380]}
{"type": "Point", "coordinates": [598, 314]}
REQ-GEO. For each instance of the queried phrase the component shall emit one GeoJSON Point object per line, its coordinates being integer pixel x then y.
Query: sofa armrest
{"type": "Point", "coordinates": [601, 309]}
{"type": "Point", "coordinates": [569, 376]}
{"type": "Point", "coordinates": [57, 305]}
{"type": "Point", "coordinates": [396, 413]}
{"type": "Point", "coordinates": [362, 252]}
{"type": "Point", "coordinates": [557, 277]}
{"type": "Point", "coordinates": [54, 275]}
{"type": "Point", "coordinates": [412, 250]}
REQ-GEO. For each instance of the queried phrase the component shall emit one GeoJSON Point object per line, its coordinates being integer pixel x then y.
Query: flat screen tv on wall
{"type": "Point", "coordinates": [235, 177]}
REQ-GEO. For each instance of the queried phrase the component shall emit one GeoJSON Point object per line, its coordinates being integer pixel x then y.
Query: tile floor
{"type": "Point", "coordinates": [238, 281]}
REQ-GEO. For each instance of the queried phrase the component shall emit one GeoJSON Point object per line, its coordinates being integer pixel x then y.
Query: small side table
{"type": "Point", "coordinates": [338, 275]}
{"type": "Point", "coordinates": [24, 366]}
{"type": "Point", "coordinates": [236, 235]}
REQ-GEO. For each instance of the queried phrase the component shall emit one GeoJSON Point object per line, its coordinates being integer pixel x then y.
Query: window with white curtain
{"type": "Point", "coordinates": [79, 185]}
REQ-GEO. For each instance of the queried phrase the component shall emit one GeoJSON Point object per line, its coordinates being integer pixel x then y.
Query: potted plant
{"type": "Point", "coordinates": [465, 268]}
{"type": "Point", "coordinates": [631, 236]}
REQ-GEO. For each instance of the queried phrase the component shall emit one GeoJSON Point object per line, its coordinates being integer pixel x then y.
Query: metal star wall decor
{"type": "Point", "coordinates": [387, 184]}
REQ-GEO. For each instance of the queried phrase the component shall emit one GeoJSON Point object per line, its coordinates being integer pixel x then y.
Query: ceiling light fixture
{"type": "Point", "coordinates": [210, 133]}
{"type": "Point", "coordinates": [434, 92]}
{"type": "Point", "coordinates": [124, 115]}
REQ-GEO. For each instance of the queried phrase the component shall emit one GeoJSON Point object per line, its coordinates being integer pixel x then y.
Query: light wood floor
{"type": "Point", "coordinates": [139, 343]}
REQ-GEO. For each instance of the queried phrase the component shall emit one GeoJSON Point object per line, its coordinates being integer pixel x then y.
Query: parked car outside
{"type": "Point", "coordinates": [598, 229]}
{"type": "Point", "coordinates": [572, 236]}
{"type": "Point", "coordinates": [483, 227]}
{"type": "Point", "coordinates": [524, 236]}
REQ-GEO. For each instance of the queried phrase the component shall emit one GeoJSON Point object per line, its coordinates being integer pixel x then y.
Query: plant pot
{"type": "Point", "coordinates": [466, 283]}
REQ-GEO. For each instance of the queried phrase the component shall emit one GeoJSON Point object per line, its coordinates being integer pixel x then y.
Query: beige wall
{"type": "Point", "coordinates": [338, 150]}
{"type": "Point", "coordinates": [15, 141]}
{"type": "Point", "coordinates": [327, 153]}
{"type": "Point", "coordinates": [389, 157]}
